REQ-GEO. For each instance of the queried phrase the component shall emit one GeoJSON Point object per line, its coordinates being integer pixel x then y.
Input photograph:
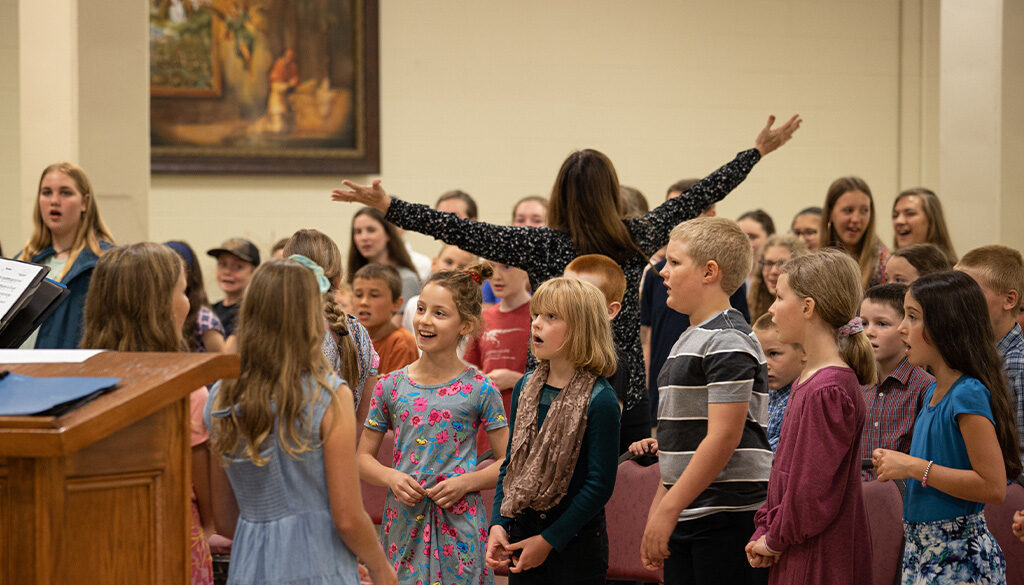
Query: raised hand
{"type": "Point", "coordinates": [372, 195]}
{"type": "Point", "coordinates": [770, 139]}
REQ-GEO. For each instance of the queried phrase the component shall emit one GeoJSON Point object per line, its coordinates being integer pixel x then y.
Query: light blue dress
{"type": "Point", "coordinates": [285, 532]}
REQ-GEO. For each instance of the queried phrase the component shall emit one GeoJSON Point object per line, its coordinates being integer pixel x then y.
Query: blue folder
{"type": "Point", "coordinates": [25, 395]}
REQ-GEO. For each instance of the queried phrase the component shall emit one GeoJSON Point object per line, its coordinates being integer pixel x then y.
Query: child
{"type": "Point", "coordinates": [434, 518]}
{"type": "Point", "coordinates": [908, 264]}
{"type": "Point", "coordinates": [449, 258]}
{"type": "Point", "coordinates": [785, 361]}
{"type": "Point", "coordinates": [714, 452]}
{"type": "Point", "coordinates": [149, 279]}
{"type": "Point", "coordinates": [285, 430]}
{"type": "Point", "coordinates": [964, 446]}
{"type": "Point", "coordinates": [999, 271]}
{"type": "Point", "coordinates": [813, 528]}
{"type": "Point", "coordinates": [68, 236]}
{"type": "Point", "coordinates": [605, 273]}
{"type": "Point", "coordinates": [548, 521]}
{"type": "Point", "coordinates": [377, 290]}
{"type": "Point", "coordinates": [806, 225]}
{"type": "Point", "coordinates": [236, 260]}
{"type": "Point", "coordinates": [893, 403]}
{"type": "Point", "coordinates": [774, 253]}
{"type": "Point", "coordinates": [203, 330]}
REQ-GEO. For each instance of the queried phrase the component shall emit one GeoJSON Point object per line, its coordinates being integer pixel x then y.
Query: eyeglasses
{"type": "Point", "coordinates": [769, 264]}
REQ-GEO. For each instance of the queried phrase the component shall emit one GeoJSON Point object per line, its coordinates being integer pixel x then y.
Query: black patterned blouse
{"type": "Point", "coordinates": [544, 252]}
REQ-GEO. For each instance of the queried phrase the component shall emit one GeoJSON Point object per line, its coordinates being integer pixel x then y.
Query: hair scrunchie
{"type": "Point", "coordinates": [855, 326]}
{"type": "Point", "coordinates": [325, 285]}
{"type": "Point", "coordinates": [476, 277]}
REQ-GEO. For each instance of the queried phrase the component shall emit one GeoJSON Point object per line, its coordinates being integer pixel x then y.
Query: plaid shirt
{"type": "Point", "coordinates": [892, 408]}
{"type": "Point", "coordinates": [1011, 347]}
{"type": "Point", "coordinates": [777, 401]}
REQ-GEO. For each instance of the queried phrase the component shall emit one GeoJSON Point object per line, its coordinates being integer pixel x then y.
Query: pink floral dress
{"type": "Point", "coordinates": [435, 429]}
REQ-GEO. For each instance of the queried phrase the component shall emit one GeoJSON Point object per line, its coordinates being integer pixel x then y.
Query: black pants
{"type": "Point", "coordinates": [583, 561]}
{"type": "Point", "coordinates": [710, 550]}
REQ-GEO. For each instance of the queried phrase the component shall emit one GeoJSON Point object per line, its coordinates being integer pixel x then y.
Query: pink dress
{"type": "Point", "coordinates": [201, 561]}
{"type": "Point", "coordinates": [814, 514]}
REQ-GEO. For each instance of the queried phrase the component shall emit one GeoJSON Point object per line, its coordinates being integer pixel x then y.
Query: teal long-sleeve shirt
{"type": "Point", "coordinates": [593, 479]}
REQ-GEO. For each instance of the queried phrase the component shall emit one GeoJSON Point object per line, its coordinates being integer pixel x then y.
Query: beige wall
{"type": "Point", "coordinates": [10, 129]}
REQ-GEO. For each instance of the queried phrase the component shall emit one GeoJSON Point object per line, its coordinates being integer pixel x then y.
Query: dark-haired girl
{"type": "Point", "coordinates": [964, 444]}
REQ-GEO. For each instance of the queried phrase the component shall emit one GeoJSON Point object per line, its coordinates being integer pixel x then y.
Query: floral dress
{"type": "Point", "coordinates": [435, 429]}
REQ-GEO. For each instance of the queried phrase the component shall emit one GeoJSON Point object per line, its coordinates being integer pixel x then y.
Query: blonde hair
{"type": "Point", "coordinates": [320, 248]}
{"type": "Point", "coordinates": [588, 335]}
{"type": "Point", "coordinates": [867, 249]}
{"type": "Point", "coordinates": [464, 286]}
{"type": "Point", "coordinates": [280, 330]}
{"type": "Point", "coordinates": [91, 229]}
{"type": "Point", "coordinates": [758, 297]}
{"type": "Point", "coordinates": [613, 280]}
{"type": "Point", "coordinates": [1001, 267]}
{"type": "Point", "coordinates": [720, 240]}
{"type": "Point", "coordinates": [129, 306]}
{"type": "Point", "coordinates": [832, 279]}
{"type": "Point", "coordinates": [766, 324]}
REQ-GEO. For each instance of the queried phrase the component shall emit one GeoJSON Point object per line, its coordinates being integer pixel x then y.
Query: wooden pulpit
{"type": "Point", "coordinates": [102, 494]}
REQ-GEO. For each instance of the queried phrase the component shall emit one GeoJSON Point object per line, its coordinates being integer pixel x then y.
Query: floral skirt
{"type": "Point", "coordinates": [958, 550]}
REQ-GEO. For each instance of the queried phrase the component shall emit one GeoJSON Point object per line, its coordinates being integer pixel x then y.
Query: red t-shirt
{"type": "Point", "coordinates": [504, 341]}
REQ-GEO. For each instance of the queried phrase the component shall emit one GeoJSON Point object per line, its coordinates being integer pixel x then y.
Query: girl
{"type": "Point", "coordinates": [374, 239]}
{"type": "Point", "coordinates": [813, 527]}
{"type": "Point", "coordinates": [758, 226]}
{"type": "Point", "coordinates": [914, 261]}
{"type": "Point", "coordinates": [202, 331]}
{"type": "Point", "coordinates": [585, 216]}
{"type": "Point", "coordinates": [848, 223]}
{"type": "Point", "coordinates": [917, 218]}
{"type": "Point", "coordinates": [148, 280]}
{"type": "Point", "coordinates": [775, 252]}
{"type": "Point", "coordinates": [531, 210]}
{"type": "Point", "coordinates": [347, 345]}
{"type": "Point", "coordinates": [965, 443]}
{"type": "Point", "coordinates": [286, 431]}
{"type": "Point", "coordinates": [435, 524]}
{"type": "Point", "coordinates": [69, 237]}
{"type": "Point", "coordinates": [806, 225]}
{"type": "Point", "coordinates": [548, 520]}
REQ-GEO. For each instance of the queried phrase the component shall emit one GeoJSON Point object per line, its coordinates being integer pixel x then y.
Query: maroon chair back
{"type": "Point", "coordinates": [884, 506]}
{"type": "Point", "coordinates": [626, 514]}
{"type": "Point", "coordinates": [373, 495]}
{"type": "Point", "coordinates": [999, 517]}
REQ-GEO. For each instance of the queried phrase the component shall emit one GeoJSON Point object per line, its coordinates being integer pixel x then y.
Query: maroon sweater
{"type": "Point", "coordinates": [815, 514]}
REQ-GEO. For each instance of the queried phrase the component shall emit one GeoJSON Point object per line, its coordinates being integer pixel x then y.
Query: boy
{"type": "Point", "coordinates": [377, 291]}
{"type": "Point", "coordinates": [606, 274]}
{"type": "Point", "coordinates": [893, 403]}
{"type": "Point", "coordinates": [999, 271]}
{"type": "Point", "coordinates": [785, 361]}
{"type": "Point", "coordinates": [237, 258]}
{"type": "Point", "coordinates": [714, 452]}
{"type": "Point", "coordinates": [449, 258]}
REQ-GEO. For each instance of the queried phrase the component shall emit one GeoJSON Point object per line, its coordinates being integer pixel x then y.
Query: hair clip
{"type": "Point", "coordinates": [476, 277]}
{"type": "Point", "coordinates": [855, 326]}
{"type": "Point", "coordinates": [325, 285]}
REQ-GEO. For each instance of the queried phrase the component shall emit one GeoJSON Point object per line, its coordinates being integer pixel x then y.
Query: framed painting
{"type": "Point", "coordinates": [264, 86]}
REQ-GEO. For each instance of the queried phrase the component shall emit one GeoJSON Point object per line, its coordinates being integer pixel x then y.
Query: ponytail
{"type": "Point", "coordinates": [856, 351]}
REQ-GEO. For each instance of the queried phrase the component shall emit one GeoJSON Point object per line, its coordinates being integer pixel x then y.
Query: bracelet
{"type": "Point", "coordinates": [924, 480]}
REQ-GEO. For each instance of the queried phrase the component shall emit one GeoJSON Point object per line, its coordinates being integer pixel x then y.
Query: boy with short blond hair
{"type": "Point", "coordinates": [999, 271]}
{"type": "Point", "coordinates": [713, 450]}
{"type": "Point", "coordinates": [377, 291]}
{"type": "Point", "coordinates": [785, 361]}
{"type": "Point", "coordinates": [606, 274]}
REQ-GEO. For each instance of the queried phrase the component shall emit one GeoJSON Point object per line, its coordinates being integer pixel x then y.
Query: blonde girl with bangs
{"type": "Point", "coordinates": [347, 345]}
{"type": "Point", "coordinates": [548, 523]}
{"type": "Point", "coordinates": [284, 432]}
{"type": "Point", "coordinates": [68, 236]}
{"type": "Point", "coordinates": [137, 302]}
{"type": "Point", "coordinates": [435, 522]}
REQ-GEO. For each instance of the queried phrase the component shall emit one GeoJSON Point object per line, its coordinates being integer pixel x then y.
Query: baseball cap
{"type": "Point", "coordinates": [240, 247]}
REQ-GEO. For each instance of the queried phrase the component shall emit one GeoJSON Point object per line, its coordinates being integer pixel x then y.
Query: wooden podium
{"type": "Point", "coordinates": [101, 494]}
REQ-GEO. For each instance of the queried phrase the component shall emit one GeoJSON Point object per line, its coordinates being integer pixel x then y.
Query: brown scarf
{"type": "Point", "coordinates": [541, 462]}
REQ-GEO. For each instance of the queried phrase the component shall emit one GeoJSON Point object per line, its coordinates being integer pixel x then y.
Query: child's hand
{"type": "Point", "coordinates": [446, 493]}
{"type": "Point", "coordinates": [758, 555]}
{"type": "Point", "coordinates": [654, 546]}
{"type": "Point", "coordinates": [498, 553]}
{"type": "Point", "coordinates": [406, 489]}
{"type": "Point", "coordinates": [504, 378]}
{"type": "Point", "coordinates": [893, 464]}
{"type": "Point", "coordinates": [384, 575]}
{"type": "Point", "coordinates": [643, 447]}
{"type": "Point", "coordinates": [535, 551]}
{"type": "Point", "coordinates": [1018, 524]}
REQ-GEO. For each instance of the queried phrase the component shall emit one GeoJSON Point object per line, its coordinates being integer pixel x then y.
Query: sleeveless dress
{"type": "Point", "coordinates": [285, 532]}
{"type": "Point", "coordinates": [435, 438]}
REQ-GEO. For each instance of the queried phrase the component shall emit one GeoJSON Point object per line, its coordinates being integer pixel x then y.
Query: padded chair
{"type": "Point", "coordinates": [884, 506]}
{"type": "Point", "coordinates": [373, 495]}
{"type": "Point", "coordinates": [626, 514]}
{"type": "Point", "coordinates": [999, 517]}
